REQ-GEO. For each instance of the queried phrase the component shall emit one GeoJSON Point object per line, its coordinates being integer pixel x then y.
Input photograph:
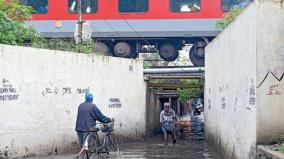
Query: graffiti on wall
{"type": "Point", "coordinates": [274, 90]}
{"type": "Point", "coordinates": [114, 103]}
{"type": "Point", "coordinates": [209, 104]}
{"type": "Point", "coordinates": [279, 78]}
{"type": "Point", "coordinates": [223, 102]}
{"type": "Point", "coordinates": [235, 104]}
{"type": "Point", "coordinates": [7, 91]}
{"type": "Point", "coordinates": [65, 90]}
{"type": "Point", "coordinates": [252, 94]}
{"type": "Point", "coordinates": [220, 89]}
{"type": "Point", "coordinates": [82, 90]}
{"type": "Point", "coordinates": [49, 90]}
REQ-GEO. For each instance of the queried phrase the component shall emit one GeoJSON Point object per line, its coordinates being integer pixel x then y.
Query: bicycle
{"type": "Point", "coordinates": [109, 145]}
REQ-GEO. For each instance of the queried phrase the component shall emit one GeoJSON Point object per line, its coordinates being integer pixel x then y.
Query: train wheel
{"type": "Point", "coordinates": [101, 47]}
{"type": "Point", "coordinates": [123, 49]}
{"type": "Point", "coordinates": [168, 52]}
{"type": "Point", "coordinates": [197, 54]}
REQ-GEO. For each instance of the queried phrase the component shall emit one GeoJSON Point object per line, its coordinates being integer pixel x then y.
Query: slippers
{"type": "Point", "coordinates": [77, 157]}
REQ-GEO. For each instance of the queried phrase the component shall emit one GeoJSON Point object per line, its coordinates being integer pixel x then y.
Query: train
{"type": "Point", "coordinates": [125, 28]}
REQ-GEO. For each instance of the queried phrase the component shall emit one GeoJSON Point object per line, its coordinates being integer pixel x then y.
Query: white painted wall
{"type": "Point", "coordinates": [39, 122]}
{"type": "Point", "coordinates": [230, 74]}
{"type": "Point", "coordinates": [239, 113]}
{"type": "Point", "coordinates": [270, 63]}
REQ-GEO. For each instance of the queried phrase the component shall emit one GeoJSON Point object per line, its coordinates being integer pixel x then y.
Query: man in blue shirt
{"type": "Point", "coordinates": [87, 115]}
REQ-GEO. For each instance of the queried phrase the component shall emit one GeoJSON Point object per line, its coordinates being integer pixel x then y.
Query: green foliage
{"type": "Point", "coordinates": [191, 81]}
{"type": "Point", "coordinates": [278, 147]}
{"type": "Point", "coordinates": [146, 65]}
{"type": "Point", "coordinates": [277, 143]}
{"type": "Point", "coordinates": [156, 90]}
{"type": "Point", "coordinates": [231, 16]}
{"type": "Point", "coordinates": [157, 81]}
{"type": "Point", "coordinates": [186, 93]}
{"type": "Point", "coordinates": [281, 148]}
{"type": "Point", "coordinates": [13, 29]}
{"type": "Point", "coordinates": [15, 11]}
{"type": "Point", "coordinates": [66, 45]}
{"type": "Point", "coordinates": [183, 94]}
{"type": "Point", "coordinates": [7, 29]}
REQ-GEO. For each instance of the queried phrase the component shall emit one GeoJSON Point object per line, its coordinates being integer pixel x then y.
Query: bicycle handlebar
{"type": "Point", "coordinates": [112, 120]}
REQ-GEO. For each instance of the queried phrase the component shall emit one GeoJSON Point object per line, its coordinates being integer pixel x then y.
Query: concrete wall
{"type": "Point", "coordinates": [270, 71]}
{"type": "Point", "coordinates": [40, 91]}
{"type": "Point", "coordinates": [152, 113]}
{"type": "Point", "coordinates": [244, 73]}
{"type": "Point", "coordinates": [229, 79]}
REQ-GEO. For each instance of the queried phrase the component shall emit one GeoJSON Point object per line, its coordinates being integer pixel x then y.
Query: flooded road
{"type": "Point", "coordinates": [154, 149]}
{"type": "Point", "coordinates": [191, 145]}
{"type": "Point", "coordinates": [157, 150]}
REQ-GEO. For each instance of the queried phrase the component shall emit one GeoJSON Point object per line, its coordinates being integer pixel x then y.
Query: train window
{"type": "Point", "coordinates": [40, 6]}
{"type": "Point", "coordinates": [227, 5]}
{"type": "Point", "coordinates": [185, 5]}
{"type": "Point", "coordinates": [87, 6]}
{"type": "Point", "coordinates": [133, 5]}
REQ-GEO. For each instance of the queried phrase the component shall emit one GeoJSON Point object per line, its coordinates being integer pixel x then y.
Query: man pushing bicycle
{"type": "Point", "coordinates": [87, 115]}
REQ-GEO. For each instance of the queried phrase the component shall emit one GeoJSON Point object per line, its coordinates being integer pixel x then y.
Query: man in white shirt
{"type": "Point", "coordinates": [167, 119]}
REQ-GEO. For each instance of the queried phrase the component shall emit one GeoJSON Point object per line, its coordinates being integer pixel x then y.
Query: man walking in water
{"type": "Point", "coordinates": [167, 119]}
{"type": "Point", "coordinates": [87, 115]}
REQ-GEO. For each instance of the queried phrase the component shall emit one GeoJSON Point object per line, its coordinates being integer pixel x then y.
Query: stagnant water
{"type": "Point", "coordinates": [155, 149]}
{"type": "Point", "coordinates": [191, 146]}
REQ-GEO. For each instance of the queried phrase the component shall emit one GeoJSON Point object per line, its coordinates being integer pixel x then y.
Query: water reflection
{"type": "Point", "coordinates": [154, 149]}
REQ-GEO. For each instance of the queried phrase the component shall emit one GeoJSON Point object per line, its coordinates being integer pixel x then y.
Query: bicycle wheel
{"type": "Point", "coordinates": [91, 144]}
{"type": "Point", "coordinates": [112, 144]}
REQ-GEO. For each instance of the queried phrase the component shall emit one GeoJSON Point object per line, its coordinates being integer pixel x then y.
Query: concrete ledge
{"type": "Point", "coordinates": [264, 152]}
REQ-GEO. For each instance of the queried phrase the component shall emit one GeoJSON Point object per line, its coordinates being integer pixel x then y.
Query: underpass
{"type": "Point", "coordinates": [190, 144]}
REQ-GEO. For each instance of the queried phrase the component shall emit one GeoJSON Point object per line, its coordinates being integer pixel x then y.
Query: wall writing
{"type": "Point", "coordinates": [209, 104]}
{"type": "Point", "coordinates": [66, 90]}
{"type": "Point", "coordinates": [7, 91]}
{"type": "Point", "coordinates": [274, 90]}
{"type": "Point", "coordinates": [278, 78]}
{"type": "Point", "coordinates": [223, 103]}
{"type": "Point", "coordinates": [252, 94]}
{"type": "Point", "coordinates": [63, 90]}
{"type": "Point", "coordinates": [114, 103]}
{"type": "Point", "coordinates": [82, 90]}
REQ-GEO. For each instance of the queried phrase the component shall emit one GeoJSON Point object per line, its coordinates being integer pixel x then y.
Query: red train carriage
{"type": "Point", "coordinates": [125, 28]}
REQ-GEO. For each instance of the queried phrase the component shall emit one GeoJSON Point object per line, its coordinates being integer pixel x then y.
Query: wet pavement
{"type": "Point", "coordinates": [189, 146]}
{"type": "Point", "coordinates": [154, 149]}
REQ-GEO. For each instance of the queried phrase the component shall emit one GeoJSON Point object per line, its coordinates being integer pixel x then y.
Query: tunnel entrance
{"type": "Point", "coordinates": [184, 91]}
